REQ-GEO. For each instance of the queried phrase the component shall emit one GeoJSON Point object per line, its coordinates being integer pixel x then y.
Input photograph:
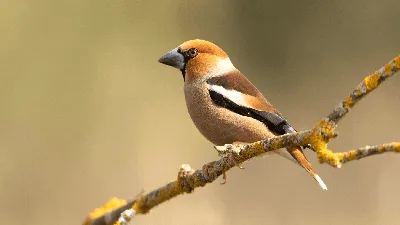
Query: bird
{"type": "Point", "coordinates": [224, 105]}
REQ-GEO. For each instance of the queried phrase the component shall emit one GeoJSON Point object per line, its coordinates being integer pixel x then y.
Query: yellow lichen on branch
{"type": "Point", "coordinates": [234, 155]}
{"type": "Point", "coordinates": [322, 133]}
{"type": "Point", "coordinates": [371, 82]}
{"type": "Point", "coordinates": [100, 212]}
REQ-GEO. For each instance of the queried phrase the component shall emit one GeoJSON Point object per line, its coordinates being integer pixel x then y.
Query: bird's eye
{"type": "Point", "coordinates": [191, 53]}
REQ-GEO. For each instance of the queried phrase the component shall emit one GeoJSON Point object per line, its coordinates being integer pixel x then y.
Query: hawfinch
{"type": "Point", "coordinates": [224, 105]}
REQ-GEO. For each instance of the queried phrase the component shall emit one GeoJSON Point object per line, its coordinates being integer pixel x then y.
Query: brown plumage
{"type": "Point", "coordinates": [224, 105]}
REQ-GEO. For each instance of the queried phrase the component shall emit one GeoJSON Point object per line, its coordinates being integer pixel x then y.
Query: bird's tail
{"type": "Point", "coordinates": [298, 155]}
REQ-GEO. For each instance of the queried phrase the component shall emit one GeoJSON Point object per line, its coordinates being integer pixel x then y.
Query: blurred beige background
{"type": "Point", "coordinates": [87, 113]}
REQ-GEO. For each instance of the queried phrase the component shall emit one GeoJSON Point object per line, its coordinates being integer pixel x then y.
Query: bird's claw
{"type": "Point", "coordinates": [222, 150]}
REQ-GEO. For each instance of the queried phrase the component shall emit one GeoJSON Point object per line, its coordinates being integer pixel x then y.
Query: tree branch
{"type": "Point", "coordinates": [120, 212]}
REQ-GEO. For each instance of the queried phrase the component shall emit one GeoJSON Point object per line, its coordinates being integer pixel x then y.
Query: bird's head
{"type": "Point", "coordinates": [198, 59]}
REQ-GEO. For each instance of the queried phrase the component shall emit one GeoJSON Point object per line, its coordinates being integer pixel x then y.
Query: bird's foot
{"type": "Point", "coordinates": [239, 144]}
{"type": "Point", "coordinates": [225, 151]}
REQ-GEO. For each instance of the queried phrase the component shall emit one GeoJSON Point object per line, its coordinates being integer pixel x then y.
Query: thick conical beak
{"type": "Point", "coordinates": [173, 58]}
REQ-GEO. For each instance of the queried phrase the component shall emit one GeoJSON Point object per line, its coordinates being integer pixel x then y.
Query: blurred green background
{"type": "Point", "coordinates": [87, 112]}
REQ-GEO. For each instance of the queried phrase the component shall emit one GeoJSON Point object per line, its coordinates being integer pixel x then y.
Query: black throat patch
{"type": "Point", "coordinates": [184, 73]}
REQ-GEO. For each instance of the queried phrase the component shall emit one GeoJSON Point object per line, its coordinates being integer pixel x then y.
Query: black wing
{"type": "Point", "coordinates": [275, 122]}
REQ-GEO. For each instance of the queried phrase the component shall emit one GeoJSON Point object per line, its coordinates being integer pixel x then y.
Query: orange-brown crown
{"type": "Point", "coordinates": [208, 56]}
{"type": "Point", "coordinates": [204, 47]}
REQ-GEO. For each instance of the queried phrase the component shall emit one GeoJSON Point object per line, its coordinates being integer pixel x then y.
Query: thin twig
{"type": "Point", "coordinates": [369, 83]}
